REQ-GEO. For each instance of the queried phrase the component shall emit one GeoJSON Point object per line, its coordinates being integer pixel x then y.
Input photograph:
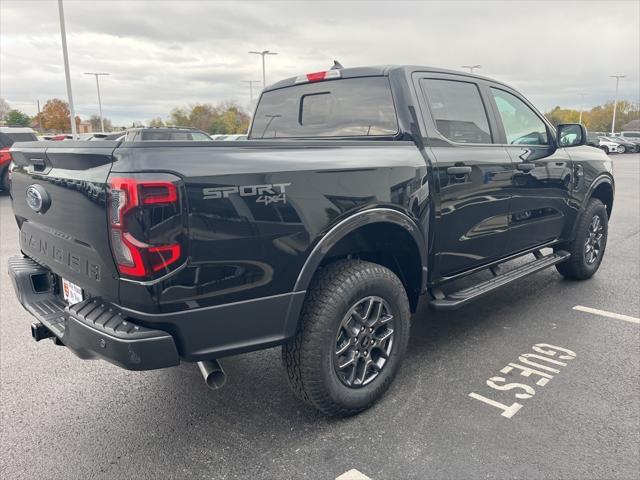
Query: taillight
{"type": "Point", "coordinates": [318, 76]}
{"type": "Point", "coordinates": [132, 202]}
{"type": "Point", "coordinates": [5, 155]}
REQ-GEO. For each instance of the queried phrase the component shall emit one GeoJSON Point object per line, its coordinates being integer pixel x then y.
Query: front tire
{"type": "Point", "coordinates": [5, 184]}
{"type": "Point", "coordinates": [353, 336]}
{"type": "Point", "coordinates": [587, 249]}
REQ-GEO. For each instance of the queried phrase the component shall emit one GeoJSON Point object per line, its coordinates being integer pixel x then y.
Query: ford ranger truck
{"type": "Point", "coordinates": [359, 192]}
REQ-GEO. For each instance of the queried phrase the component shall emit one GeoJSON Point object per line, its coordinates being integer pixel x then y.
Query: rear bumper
{"type": "Point", "coordinates": [92, 328]}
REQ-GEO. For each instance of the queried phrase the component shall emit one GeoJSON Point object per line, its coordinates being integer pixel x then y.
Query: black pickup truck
{"type": "Point", "coordinates": [358, 191]}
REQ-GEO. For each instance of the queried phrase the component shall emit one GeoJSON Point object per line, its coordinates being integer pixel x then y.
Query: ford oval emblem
{"type": "Point", "coordinates": [38, 199]}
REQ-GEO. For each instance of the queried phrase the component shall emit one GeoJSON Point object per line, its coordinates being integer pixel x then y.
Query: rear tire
{"type": "Point", "coordinates": [587, 249]}
{"type": "Point", "coordinates": [346, 320]}
{"type": "Point", "coordinates": [622, 149]}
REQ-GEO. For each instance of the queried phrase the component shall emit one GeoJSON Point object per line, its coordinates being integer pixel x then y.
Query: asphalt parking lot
{"type": "Point", "coordinates": [66, 418]}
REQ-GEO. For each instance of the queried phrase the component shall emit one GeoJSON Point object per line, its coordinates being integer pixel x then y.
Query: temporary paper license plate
{"type": "Point", "coordinates": [71, 292]}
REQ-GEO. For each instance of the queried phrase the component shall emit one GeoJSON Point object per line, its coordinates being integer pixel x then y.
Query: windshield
{"type": "Point", "coordinates": [354, 107]}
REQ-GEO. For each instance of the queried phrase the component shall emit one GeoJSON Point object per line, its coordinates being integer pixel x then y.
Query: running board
{"type": "Point", "coordinates": [467, 295]}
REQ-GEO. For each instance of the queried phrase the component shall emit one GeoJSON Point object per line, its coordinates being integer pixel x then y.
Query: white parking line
{"type": "Point", "coordinates": [604, 313]}
{"type": "Point", "coordinates": [353, 474]}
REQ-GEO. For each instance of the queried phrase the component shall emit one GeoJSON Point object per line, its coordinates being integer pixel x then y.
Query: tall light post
{"type": "Point", "coordinates": [63, 34]}
{"type": "Point", "coordinates": [251, 83]}
{"type": "Point", "coordinates": [615, 101]}
{"type": "Point", "coordinates": [263, 54]}
{"type": "Point", "coordinates": [582, 95]}
{"type": "Point", "coordinates": [97, 74]}
{"type": "Point", "coordinates": [471, 67]}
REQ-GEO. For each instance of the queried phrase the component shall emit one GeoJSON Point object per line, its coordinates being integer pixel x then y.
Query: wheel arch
{"type": "Point", "coordinates": [603, 189]}
{"type": "Point", "coordinates": [382, 235]}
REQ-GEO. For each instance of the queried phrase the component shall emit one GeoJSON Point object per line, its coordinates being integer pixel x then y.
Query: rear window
{"type": "Point", "coordinates": [353, 107]}
{"type": "Point", "coordinates": [22, 137]}
{"type": "Point", "coordinates": [631, 134]}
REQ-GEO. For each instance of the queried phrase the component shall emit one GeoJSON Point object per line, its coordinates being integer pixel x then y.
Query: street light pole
{"type": "Point", "coordinates": [582, 95]}
{"type": "Point", "coordinates": [251, 82]}
{"type": "Point", "coordinates": [615, 102]}
{"type": "Point", "coordinates": [96, 74]}
{"type": "Point", "coordinates": [63, 34]}
{"type": "Point", "coordinates": [263, 54]}
{"type": "Point", "coordinates": [471, 67]}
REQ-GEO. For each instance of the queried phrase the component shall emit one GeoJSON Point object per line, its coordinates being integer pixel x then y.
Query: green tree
{"type": "Point", "coordinates": [156, 122]}
{"type": "Point", "coordinates": [563, 115]}
{"type": "Point", "coordinates": [179, 117]}
{"type": "Point", "coordinates": [225, 118]}
{"type": "Point", "coordinates": [18, 118]}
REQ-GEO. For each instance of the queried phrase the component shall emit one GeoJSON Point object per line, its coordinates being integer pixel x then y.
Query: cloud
{"type": "Point", "coordinates": [165, 54]}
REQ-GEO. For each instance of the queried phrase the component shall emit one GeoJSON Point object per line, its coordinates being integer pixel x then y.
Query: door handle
{"type": "Point", "coordinates": [458, 170]}
{"type": "Point", "coordinates": [526, 167]}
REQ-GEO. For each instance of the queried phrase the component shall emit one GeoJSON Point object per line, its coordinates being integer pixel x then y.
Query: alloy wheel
{"type": "Point", "coordinates": [364, 342]}
{"type": "Point", "coordinates": [593, 245]}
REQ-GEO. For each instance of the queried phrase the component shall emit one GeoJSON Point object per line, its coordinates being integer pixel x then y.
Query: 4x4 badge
{"type": "Point", "coordinates": [267, 193]}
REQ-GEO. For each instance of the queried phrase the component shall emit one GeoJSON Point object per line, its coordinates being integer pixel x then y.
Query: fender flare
{"type": "Point", "coordinates": [352, 223]}
{"type": "Point", "coordinates": [603, 178]}
{"type": "Point", "coordinates": [599, 180]}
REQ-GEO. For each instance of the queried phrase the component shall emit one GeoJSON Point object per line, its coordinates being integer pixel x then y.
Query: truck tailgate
{"type": "Point", "coordinates": [58, 191]}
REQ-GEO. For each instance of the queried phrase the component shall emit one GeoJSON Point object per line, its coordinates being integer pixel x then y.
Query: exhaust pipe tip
{"type": "Point", "coordinates": [213, 374]}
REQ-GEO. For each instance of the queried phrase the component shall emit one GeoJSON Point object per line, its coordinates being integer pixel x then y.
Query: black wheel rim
{"type": "Point", "coordinates": [593, 245]}
{"type": "Point", "coordinates": [364, 342]}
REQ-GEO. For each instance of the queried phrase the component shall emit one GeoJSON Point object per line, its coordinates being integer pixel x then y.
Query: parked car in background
{"type": "Point", "coordinates": [624, 146]}
{"type": "Point", "coordinates": [106, 135]}
{"type": "Point", "coordinates": [634, 141]}
{"type": "Point", "coordinates": [20, 134]}
{"type": "Point", "coordinates": [230, 137]}
{"type": "Point", "coordinates": [61, 137]}
{"type": "Point", "coordinates": [602, 143]}
{"type": "Point", "coordinates": [8, 136]}
{"type": "Point", "coordinates": [629, 135]}
{"type": "Point", "coordinates": [146, 134]}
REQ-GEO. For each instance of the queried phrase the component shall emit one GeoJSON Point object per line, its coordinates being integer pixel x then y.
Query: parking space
{"type": "Point", "coordinates": [450, 413]}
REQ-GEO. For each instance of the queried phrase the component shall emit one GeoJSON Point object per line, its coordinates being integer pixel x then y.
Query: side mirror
{"type": "Point", "coordinates": [571, 135]}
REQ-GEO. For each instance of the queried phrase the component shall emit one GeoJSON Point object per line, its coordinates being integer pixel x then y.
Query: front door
{"type": "Point", "coordinates": [472, 174]}
{"type": "Point", "coordinates": [541, 176]}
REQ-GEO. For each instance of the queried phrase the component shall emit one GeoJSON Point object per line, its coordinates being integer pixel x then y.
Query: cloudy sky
{"type": "Point", "coordinates": [164, 54]}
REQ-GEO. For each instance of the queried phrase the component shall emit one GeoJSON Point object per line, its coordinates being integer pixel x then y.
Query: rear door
{"type": "Point", "coordinates": [472, 172]}
{"type": "Point", "coordinates": [59, 200]}
{"type": "Point", "coordinates": [542, 173]}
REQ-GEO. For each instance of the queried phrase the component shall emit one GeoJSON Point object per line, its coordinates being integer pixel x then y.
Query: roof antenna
{"type": "Point", "coordinates": [337, 65]}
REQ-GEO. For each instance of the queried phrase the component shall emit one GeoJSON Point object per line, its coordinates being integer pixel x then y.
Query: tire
{"type": "Point", "coordinates": [586, 256]}
{"type": "Point", "coordinates": [605, 149]}
{"type": "Point", "coordinates": [337, 303]}
{"type": "Point", "coordinates": [4, 181]}
{"type": "Point", "coordinates": [622, 149]}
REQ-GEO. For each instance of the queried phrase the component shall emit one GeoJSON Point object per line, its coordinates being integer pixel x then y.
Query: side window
{"type": "Point", "coordinates": [458, 110]}
{"type": "Point", "coordinates": [521, 124]}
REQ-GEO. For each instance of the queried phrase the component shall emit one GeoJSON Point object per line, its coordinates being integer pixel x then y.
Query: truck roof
{"type": "Point", "coordinates": [381, 70]}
